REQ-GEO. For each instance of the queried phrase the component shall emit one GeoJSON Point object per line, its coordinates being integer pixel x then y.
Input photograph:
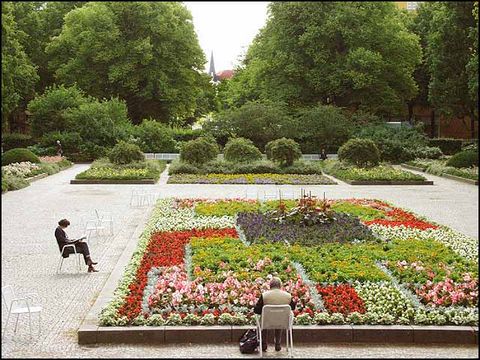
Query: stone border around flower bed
{"type": "Point", "coordinates": [448, 176]}
{"type": "Point", "coordinates": [139, 181]}
{"type": "Point", "coordinates": [91, 333]}
{"type": "Point", "coordinates": [382, 334]}
{"type": "Point", "coordinates": [36, 177]}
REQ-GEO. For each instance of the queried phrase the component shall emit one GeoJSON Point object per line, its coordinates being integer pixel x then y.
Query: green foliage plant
{"type": "Point", "coordinates": [16, 140]}
{"type": "Point", "coordinates": [199, 151]}
{"type": "Point", "coordinates": [19, 155]}
{"type": "Point", "coordinates": [359, 152]}
{"type": "Point", "coordinates": [283, 151]}
{"type": "Point", "coordinates": [124, 153]}
{"type": "Point", "coordinates": [464, 159]}
{"type": "Point", "coordinates": [365, 213]}
{"type": "Point", "coordinates": [154, 137]}
{"type": "Point", "coordinates": [241, 150]}
{"type": "Point", "coordinates": [447, 145]}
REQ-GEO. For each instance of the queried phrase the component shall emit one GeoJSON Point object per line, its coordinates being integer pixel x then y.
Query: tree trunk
{"type": "Point", "coordinates": [432, 124]}
{"type": "Point", "coordinates": [472, 125]}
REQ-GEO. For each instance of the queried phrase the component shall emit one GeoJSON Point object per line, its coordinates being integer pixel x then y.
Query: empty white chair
{"type": "Point", "coordinates": [24, 305]}
{"type": "Point", "coordinates": [77, 257]}
{"type": "Point", "coordinates": [276, 317]}
{"type": "Point", "coordinates": [103, 218]}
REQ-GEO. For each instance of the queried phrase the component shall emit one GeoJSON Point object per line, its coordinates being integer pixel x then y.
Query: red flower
{"type": "Point", "coordinates": [341, 298]}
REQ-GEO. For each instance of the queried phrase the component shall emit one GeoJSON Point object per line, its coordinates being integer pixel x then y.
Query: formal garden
{"type": "Point", "coordinates": [351, 261]}
{"type": "Point", "coordinates": [361, 118]}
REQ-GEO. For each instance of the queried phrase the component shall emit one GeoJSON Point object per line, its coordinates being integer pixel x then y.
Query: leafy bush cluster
{"type": "Point", "coordinates": [447, 146]}
{"type": "Point", "coordinates": [19, 155]}
{"type": "Point", "coordinates": [199, 151]}
{"type": "Point", "coordinates": [464, 159]}
{"type": "Point", "coordinates": [359, 152]}
{"type": "Point", "coordinates": [439, 167]}
{"type": "Point", "coordinates": [125, 153]}
{"type": "Point", "coordinates": [283, 151]}
{"type": "Point", "coordinates": [16, 140]}
{"type": "Point", "coordinates": [241, 150]}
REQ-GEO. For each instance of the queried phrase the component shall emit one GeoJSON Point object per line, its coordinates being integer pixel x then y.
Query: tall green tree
{"type": "Point", "coordinates": [19, 75]}
{"type": "Point", "coordinates": [40, 21]}
{"type": "Point", "coordinates": [450, 57]}
{"type": "Point", "coordinates": [146, 53]}
{"type": "Point", "coordinates": [352, 54]}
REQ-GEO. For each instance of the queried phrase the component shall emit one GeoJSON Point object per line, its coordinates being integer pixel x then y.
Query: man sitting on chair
{"type": "Point", "coordinates": [274, 296]}
{"type": "Point", "coordinates": [80, 246]}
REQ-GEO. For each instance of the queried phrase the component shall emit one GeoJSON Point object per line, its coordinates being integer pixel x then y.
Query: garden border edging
{"type": "Point", "coordinates": [447, 176]}
{"type": "Point", "coordinates": [139, 181]}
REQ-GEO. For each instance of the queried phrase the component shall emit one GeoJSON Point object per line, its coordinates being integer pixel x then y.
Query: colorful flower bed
{"type": "Point", "coordinates": [281, 179]}
{"type": "Point", "coordinates": [377, 173]}
{"type": "Point", "coordinates": [198, 263]}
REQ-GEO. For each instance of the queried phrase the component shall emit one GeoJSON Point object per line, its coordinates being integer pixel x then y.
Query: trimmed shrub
{"type": "Point", "coordinates": [359, 152]}
{"type": "Point", "coordinates": [428, 152]}
{"type": "Point", "coordinates": [199, 151]}
{"type": "Point", "coordinates": [305, 168]}
{"type": "Point", "coordinates": [19, 155]}
{"type": "Point", "coordinates": [447, 145]}
{"type": "Point", "coordinates": [125, 153]}
{"type": "Point", "coordinates": [464, 159]}
{"type": "Point", "coordinates": [16, 140]}
{"type": "Point", "coordinates": [218, 166]}
{"type": "Point", "coordinates": [241, 150]}
{"type": "Point", "coordinates": [283, 151]}
{"type": "Point", "coordinates": [394, 152]}
{"type": "Point", "coordinates": [154, 137]}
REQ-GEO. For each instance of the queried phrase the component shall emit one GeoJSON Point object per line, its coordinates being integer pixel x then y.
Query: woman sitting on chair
{"type": "Point", "coordinates": [80, 246]}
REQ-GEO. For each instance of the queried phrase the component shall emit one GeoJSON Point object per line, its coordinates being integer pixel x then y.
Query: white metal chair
{"type": "Point", "coordinates": [23, 305]}
{"type": "Point", "coordinates": [77, 257]}
{"type": "Point", "coordinates": [276, 317]}
{"type": "Point", "coordinates": [105, 217]}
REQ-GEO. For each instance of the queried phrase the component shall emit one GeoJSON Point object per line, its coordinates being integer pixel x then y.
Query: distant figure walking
{"type": "Point", "coordinates": [80, 246]}
{"type": "Point", "coordinates": [323, 155]}
{"type": "Point", "coordinates": [59, 148]}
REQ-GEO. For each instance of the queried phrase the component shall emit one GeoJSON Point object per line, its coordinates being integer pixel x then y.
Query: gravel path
{"type": "Point", "coordinates": [30, 256]}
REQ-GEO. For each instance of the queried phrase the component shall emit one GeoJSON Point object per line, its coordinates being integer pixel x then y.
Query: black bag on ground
{"type": "Point", "coordinates": [249, 342]}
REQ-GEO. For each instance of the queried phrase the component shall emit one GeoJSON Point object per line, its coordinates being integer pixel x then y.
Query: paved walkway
{"type": "Point", "coordinates": [30, 256]}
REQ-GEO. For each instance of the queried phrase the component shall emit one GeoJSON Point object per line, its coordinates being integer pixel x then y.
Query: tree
{"type": "Point", "coordinates": [451, 59]}
{"type": "Point", "coordinates": [259, 122]}
{"type": "Point", "coordinates": [350, 54]}
{"type": "Point", "coordinates": [19, 75]}
{"type": "Point", "coordinates": [48, 110]}
{"type": "Point", "coordinates": [40, 21]}
{"type": "Point", "coordinates": [146, 53]}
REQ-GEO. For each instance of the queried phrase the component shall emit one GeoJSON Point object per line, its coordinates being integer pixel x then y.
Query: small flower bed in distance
{"type": "Point", "coordinates": [192, 267]}
{"type": "Point", "coordinates": [281, 179]}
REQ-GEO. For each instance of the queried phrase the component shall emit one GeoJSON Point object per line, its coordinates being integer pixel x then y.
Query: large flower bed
{"type": "Point", "coordinates": [199, 262]}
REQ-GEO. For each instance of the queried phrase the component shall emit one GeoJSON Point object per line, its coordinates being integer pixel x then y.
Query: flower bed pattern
{"type": "Point", "coordinates": [195, 268]}
{"type": "Point", "coordinates": [281, 179]}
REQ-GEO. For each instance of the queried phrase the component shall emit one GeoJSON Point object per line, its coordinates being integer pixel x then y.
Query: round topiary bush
{"type": "Point", "coordinates": [464, 159]}
{"type": "Point", "coordinates": [283, 151]}
{"type": "Point", "coordinates": [19, 155]}
{"type": "Point", "coordinates": [359, 152]}
{"type": "Point", "coordinates": [124, 153]}
{"type": "Point", "coordinates": [199, 151]}
{"type": "Point", "coordinates": [241, 150]}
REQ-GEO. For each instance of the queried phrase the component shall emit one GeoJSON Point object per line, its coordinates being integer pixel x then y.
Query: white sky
{"type": "Point", "coordinates": [227, 28]}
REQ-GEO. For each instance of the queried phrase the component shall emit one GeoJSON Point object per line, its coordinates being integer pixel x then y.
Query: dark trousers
{"type": "Point", "coordinates": [278, 337]}
{"type": "Point", "coordinates": [80, 247]}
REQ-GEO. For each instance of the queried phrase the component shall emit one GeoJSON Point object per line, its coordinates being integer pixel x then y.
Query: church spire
{"type": "Point", "coordinates": [212, 71]}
